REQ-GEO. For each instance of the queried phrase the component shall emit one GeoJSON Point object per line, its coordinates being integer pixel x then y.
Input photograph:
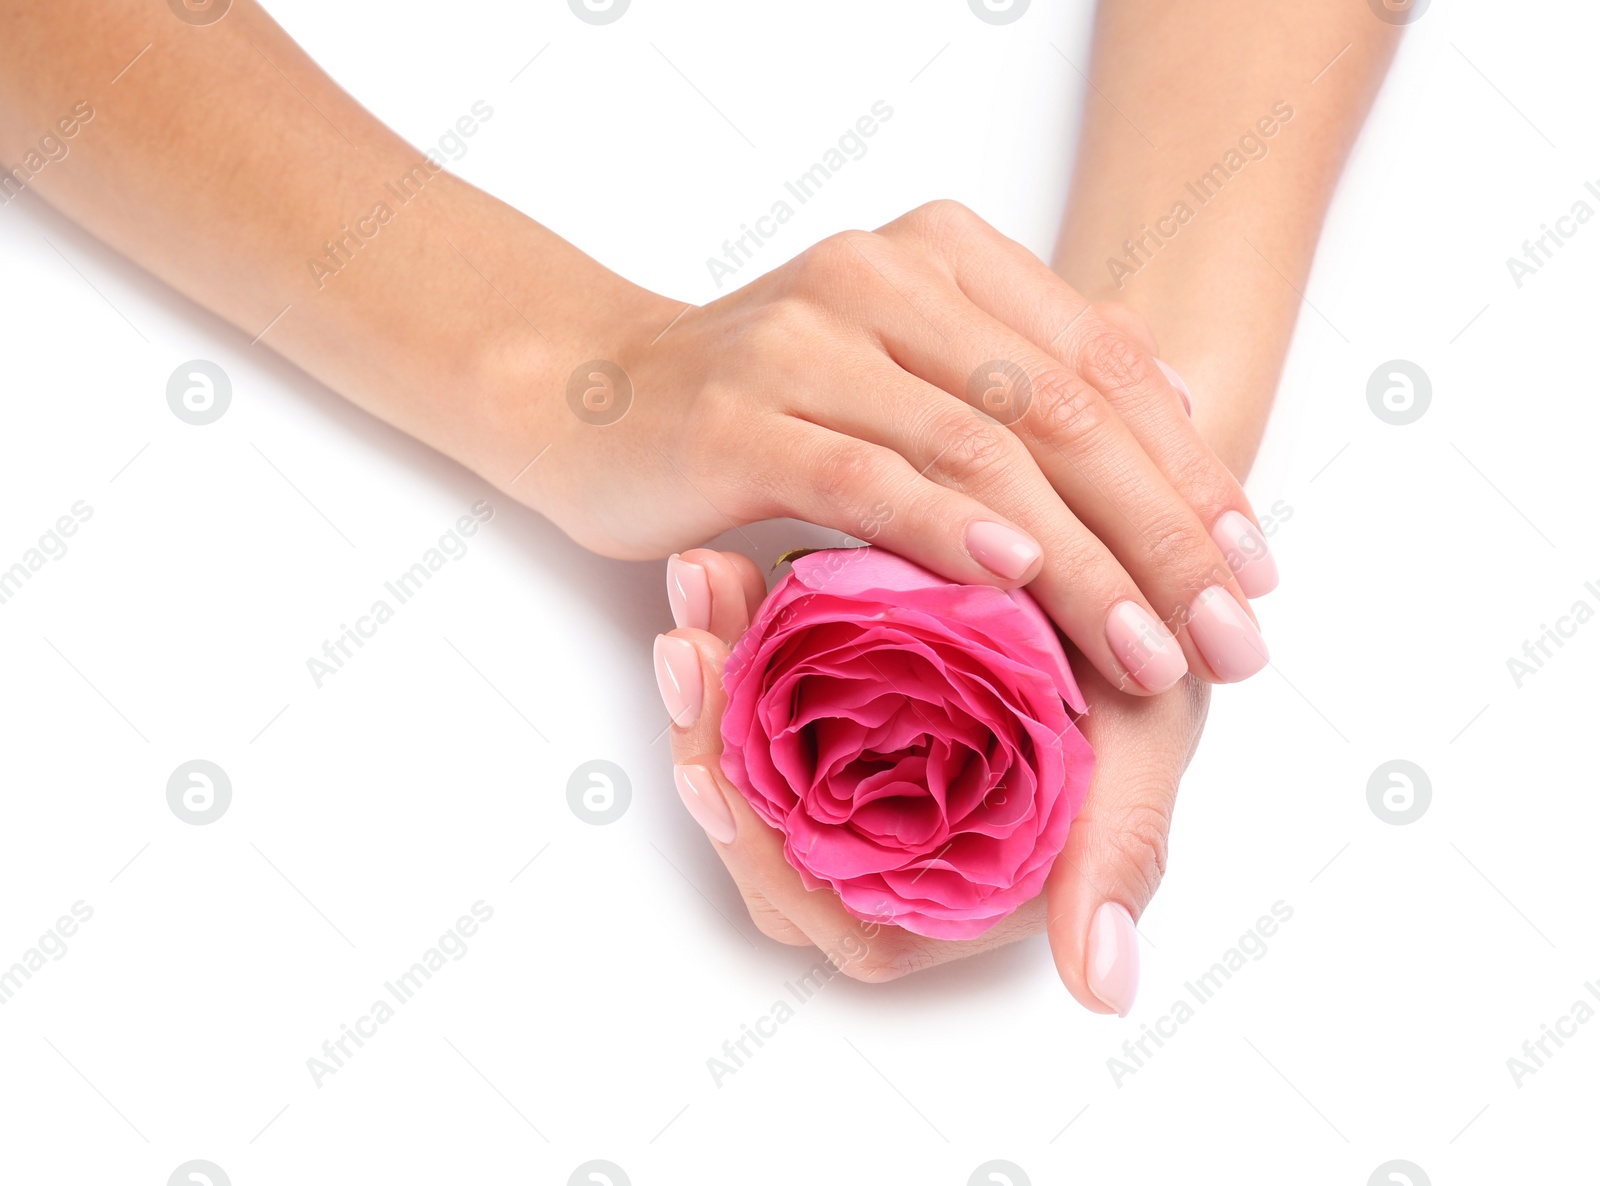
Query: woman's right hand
{"type": "Point", "coordinates": [934, 388]}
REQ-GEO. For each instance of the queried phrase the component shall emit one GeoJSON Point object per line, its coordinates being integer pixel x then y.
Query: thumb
{"type": "Point", "coordinates": [1116, 851]}
{"type": "Point", "coordinates": [689, 673]}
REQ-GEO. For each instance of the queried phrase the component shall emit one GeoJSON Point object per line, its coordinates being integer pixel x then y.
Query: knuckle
{"type": "Point", "coordinates": [1074, 550]}
{"type": "Point", "coordinates": [1138, 842]}
{"type": "Point", "coordinates": [969, 447]}
{"type": "Point", "coordinates": [772, 924]}
{"type": "Point", "coordinates": [1200, 476]}
{"type": "Point", "coordinates": [944, 219]}
{"type": "Point", "coordinates": [1114, 358]}
{"type": "Point", "coordinates": [842, 474]}
{"type": "Point", "coordinates": [837, 259]}
{"type": "Point", "coordinates": [1174, 546]}
{"type": "Point", "coordinates": [1126, 318]}
{"type": "Point", "coordinates": [882, 967]}
{"type": "Point", "coordinates": [1067, 408]}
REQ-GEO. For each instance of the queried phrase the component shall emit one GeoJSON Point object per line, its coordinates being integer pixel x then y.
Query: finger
{"type": "Point", "coordinates": [1087, 452]}
{"type": "Point", "coordinates": [689, 675]}
{"type": "Point", "coordinates": [778, 901]}
{"type": "Point", "coordinates": [847, 482]}
{"type": "Point", "coordinates": [1130, 323]}
{"type": "Point", "coordinates": [1116, 850]}
{"type": "Point", "coordinates": [965, 457]}
{"type": "Point", "coordinates": [957, 521]}
{"type": "Point", "coordinates": [1014, 286]}
{"type": "Point", "coordinates": [714, 591]}
{"type": "Point", "coordinates": [689, 672]}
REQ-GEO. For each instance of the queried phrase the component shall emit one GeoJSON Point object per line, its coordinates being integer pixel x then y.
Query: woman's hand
{"type": "Point", "coordinates": [935, 388]}
{"type": "Point", "coordinates": [931, 385]}
{"type": "Point", "coordinates": [1115, 852]}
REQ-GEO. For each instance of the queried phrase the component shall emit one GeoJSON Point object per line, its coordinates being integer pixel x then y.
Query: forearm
{"type": "Point", "coordinates": [228, 164]}
{"type": "Point", "coordinates": [1214, 249]}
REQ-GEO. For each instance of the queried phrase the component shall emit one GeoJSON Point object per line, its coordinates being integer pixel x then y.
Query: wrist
{"type": "Point", "coordinates": [476, 363]}
{"type": "Point", "coordinates": [1221, 320]}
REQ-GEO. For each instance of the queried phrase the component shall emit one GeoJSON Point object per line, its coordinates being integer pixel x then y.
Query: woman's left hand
{"type": "Point", "coordinates": [1112, 863]}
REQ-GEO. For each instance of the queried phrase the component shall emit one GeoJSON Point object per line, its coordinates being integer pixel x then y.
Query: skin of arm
{"type": "Point", "coordinates": [1174, 88]}
{"type": "Point", "coordinates": [842, 387]}
{"type": "Point", "coordinates": [224, 161]}
{"type": "Point", "coordinates": [1195, 77]}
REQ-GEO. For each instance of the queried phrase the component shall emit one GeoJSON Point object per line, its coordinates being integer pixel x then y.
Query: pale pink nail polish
{"type": "Point", "coordinates": [1004, 551]}
{"type": "Point", "coordinates": [1112, 966]}
{"type": "Point", "coordinates": [689, 594]}
{"type": "Point", "coordinates": [1177, 381]}
{"type": "Point", "coordinates": [1226, 636]}
{"type": "Point", "coordinates": [698, 789]}
{"type": "Point", "coordinates": [1245, 548]}
{"type": "Point", "coordinates": [678, 675]}
{"type": "Point", "coordinates": [1145, 647]}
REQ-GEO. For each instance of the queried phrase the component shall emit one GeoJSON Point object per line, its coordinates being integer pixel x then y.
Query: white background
{"type": "Point", "coordinates": [368, 814]}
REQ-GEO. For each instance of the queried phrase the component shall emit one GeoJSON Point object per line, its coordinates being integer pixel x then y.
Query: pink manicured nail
{"type": "Point", "coordinates": [1177, 381]}
{"type": "Point", "coordinates": [689, 594]}
{"type": "Point", "coordinates": [1003, 551]}
{"type": "Point", "coordinates": [1246, 550]}
{"type": "Point", "coordinates": [1145, 647]}
{"type": "Point", "coordinates": [678, 675]}
{"type": "Point", "coordinates": [1113, 957]}
{"type": "Point", "coordinates": [700, 794]}
{"type": "Point", "coordinates": [1226, 636]}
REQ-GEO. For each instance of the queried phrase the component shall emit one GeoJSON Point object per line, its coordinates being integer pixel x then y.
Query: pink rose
{"type": "Point", "coordinates": [909, 737]}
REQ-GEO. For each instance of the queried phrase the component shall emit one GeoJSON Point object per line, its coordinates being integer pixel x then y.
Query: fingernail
{"type": "Point", "coordinates": [1002, 550]}
{"type": "Point", "coordinates": [1177, 381]}
{"type": "Point", "coordinates": [689, 594]}
{"type": "Point", "coordinates": [1226, 636]}
{"type": "Point", "coordinates": [1145, 647]}
{"type": "Point", "coordinates": [698, 789]}
{"type": "Point", "coordinates": [678, 675]}
{"type": "Point", "coordinates": [1113, 963]}
{"type": "Point", "coordinates": [1246, 550]}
